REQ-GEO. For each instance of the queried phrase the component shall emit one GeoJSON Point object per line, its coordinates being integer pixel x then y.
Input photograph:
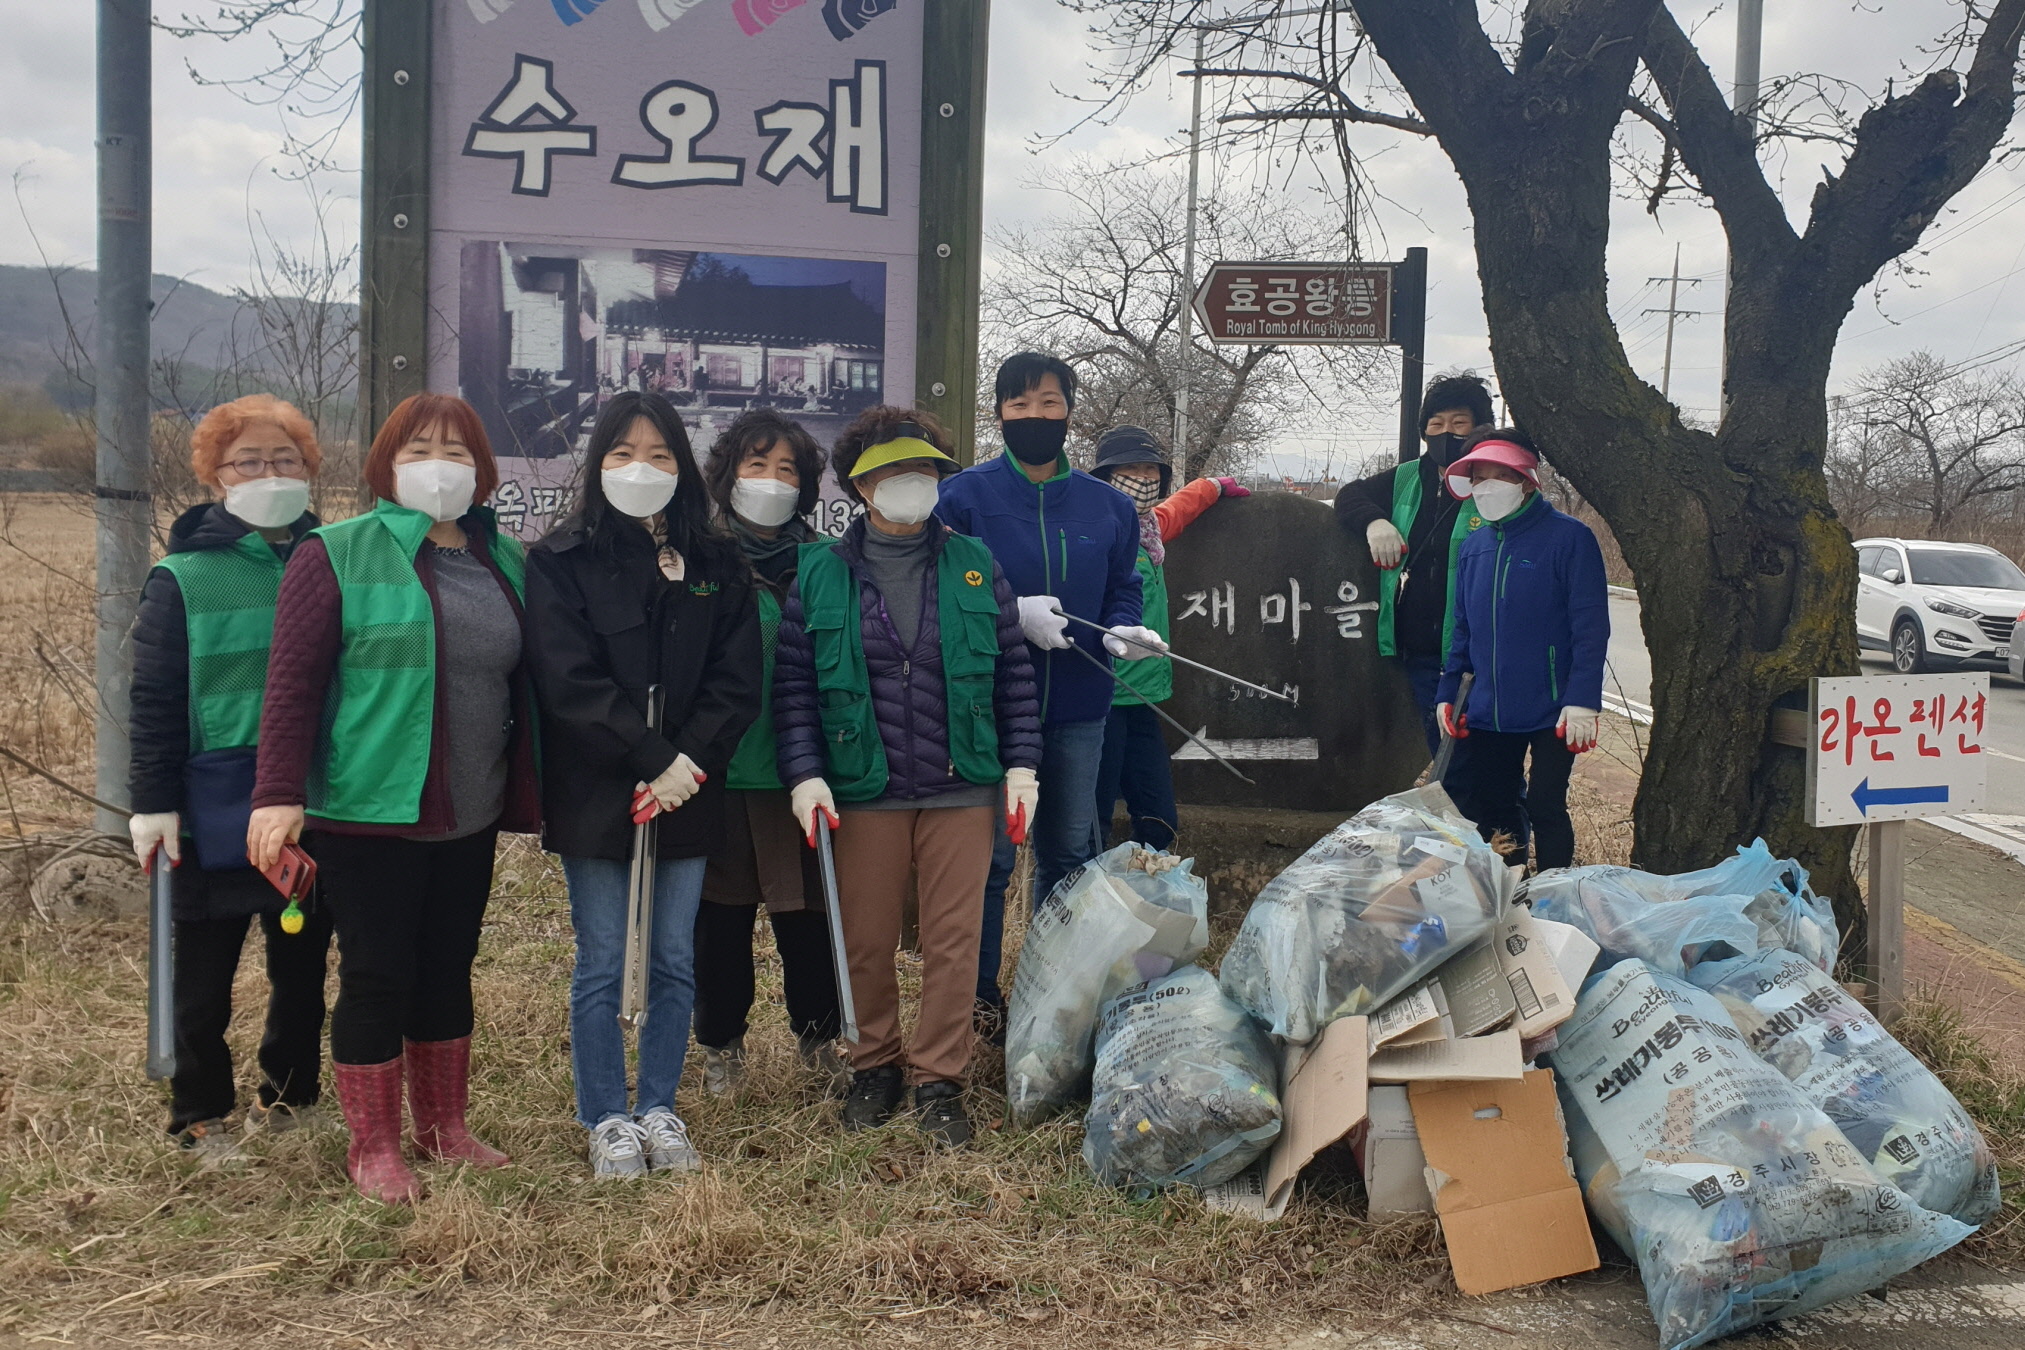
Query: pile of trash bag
{"type": "Point", "coordinates": [1376, 904]}
{"type": "Point", "coordinates": [1744, 904]}
{"type": "Point", "coordinates": [1899, 1117]}
{"type": "Point", "coordinates": [1125, 917]}
{"type": "Point", "coordinates": [1186, 1087]}
{"type": "Point", "coordinates": [1739, 1198]}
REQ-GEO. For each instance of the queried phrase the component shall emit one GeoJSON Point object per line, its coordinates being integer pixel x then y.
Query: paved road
{"type": "Point", "coordinates": [1630, 679]}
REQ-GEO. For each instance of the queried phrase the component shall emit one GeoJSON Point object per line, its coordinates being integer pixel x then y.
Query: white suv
{"type": "Point", "coordinates": [1932, 604]}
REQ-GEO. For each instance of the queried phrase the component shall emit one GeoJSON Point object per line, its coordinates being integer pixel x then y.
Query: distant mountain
{"type": "Point", "coordinates": [193, 325]}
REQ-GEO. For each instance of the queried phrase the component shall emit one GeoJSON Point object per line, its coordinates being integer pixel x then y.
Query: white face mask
{"type": "Point", "coordinates": [268, 503]}
{"type": "Point", "coordinates": [440, 489]}
{"type": "Point", "coordinates": [1496, 499]}
{"type": "Point", "coordinates": [765, 502]}
{"type": "Point", "coordinates": [639, 489]}
{"type": "Point", "coordinates": [907, 499]}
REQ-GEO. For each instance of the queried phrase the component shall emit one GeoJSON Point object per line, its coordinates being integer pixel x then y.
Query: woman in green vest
{"type": "Point", "coordinates": [764, 474]}
{"type": "Point", "coordinates": [200, 662]}
{"type": "Point", "coordinates": [903, 690]}
{"type": "Point", "coordinates": [632, 591]}
{"type": "Point", "coordinates": [398, 727]}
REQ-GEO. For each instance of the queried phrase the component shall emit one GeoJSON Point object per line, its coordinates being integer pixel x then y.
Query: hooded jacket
{"type": "Point", "coordinates": [909, 699]}
{"type": "Point", "coordinates": [1532, 620]}
{"type": "Point", "coordinates": [1073, 537]}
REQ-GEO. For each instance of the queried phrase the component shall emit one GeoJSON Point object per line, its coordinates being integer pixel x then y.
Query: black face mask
{"type": "Point", "coordinates": [1444, 449]}
{"type": "Point", "coordinates": [1035, 440]}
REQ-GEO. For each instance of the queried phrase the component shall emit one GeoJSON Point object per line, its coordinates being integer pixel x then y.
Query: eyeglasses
{"type": "Point", "coordinates": [281, 466]}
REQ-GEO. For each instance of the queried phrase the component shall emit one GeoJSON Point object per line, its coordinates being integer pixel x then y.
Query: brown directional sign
{"type": "Point", "coordinates": [1297, 303]}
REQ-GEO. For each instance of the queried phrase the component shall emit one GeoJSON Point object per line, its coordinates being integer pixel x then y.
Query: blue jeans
{"type": "Point", "coordinates": [1423, 673]}
{"type": "Point", "coordinates": [597, 1046]}
{"type": "Point", "coordinates": [1061, 835]}
{"type": "Point", "coordinates": [1135, 767]}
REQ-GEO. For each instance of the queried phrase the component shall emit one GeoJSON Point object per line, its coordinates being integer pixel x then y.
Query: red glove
{"type": "Point", "coordinates": [1230, 487]}
{"type": "Point", "coordinates": [1454, 724]}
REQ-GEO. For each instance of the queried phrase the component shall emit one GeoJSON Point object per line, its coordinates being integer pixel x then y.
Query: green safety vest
{"type": "Point", "coordinates": [1405, 506]}
{"type": "Point", "coordinates": [372, 753]}
{"type": "Point", "coordinates": [228, 614]}
{"type": "Point", "coordinates": [755, 766]}
{"type": "Point", "coordinates": [968, 611]}
{"type": "Point", "coordinates": [1152, 676]}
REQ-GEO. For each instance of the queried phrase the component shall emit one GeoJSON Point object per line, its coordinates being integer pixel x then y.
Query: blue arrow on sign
{"type": "Point", "coordinates": [1867, 796]}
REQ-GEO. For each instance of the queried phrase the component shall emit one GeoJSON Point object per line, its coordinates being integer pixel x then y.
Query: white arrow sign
{"type": "Point", "coordinates": [1285, 747]}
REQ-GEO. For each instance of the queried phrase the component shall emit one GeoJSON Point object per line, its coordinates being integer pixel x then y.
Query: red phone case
{"type": "Point", "coordinates": [293, 873]}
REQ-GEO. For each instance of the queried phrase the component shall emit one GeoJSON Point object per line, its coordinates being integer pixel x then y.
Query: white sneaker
{"type": "Point", "coordinates": [668, 1146]}
{"type": "Point", "coordinates": [616, 1149]}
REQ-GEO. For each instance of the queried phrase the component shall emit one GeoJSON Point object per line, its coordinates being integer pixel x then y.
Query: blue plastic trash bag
{"type": "Point", "coordinates": [1739, 1199]}
{"type": "Point", "coordinates": [1125, 917]}
{"type": "Point", "coordinates": [1186, 1088]}
{"type": "Point", "coordinates": [1904, 1122]}
{"type": "Point", "coordinates": [1745, 903]}
{"type": "Point", "coordinates": [1376, 904]}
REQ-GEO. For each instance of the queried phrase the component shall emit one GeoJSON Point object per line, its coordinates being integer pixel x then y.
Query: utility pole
{"type": "Point", "coordinates": [1187, 324]}
{"type": "Point", "coordinates": [123, 507]}
{"type": "Point", "coordinates": [1744, 101]}
{"type": "Point", "coordinates": [1672, 311]}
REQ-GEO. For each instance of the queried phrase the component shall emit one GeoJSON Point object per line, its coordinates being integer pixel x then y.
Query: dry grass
{"type": "Point", "coordinates": [794, 1230]}
{"type": "Point", "coordinates": [1994, 1095]}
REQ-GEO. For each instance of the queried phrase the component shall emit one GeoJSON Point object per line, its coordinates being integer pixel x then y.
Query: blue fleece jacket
{"type": "Point", "coordinates": [1532, 620]}
{"type": "Point", "coordinates": [1073, 537]}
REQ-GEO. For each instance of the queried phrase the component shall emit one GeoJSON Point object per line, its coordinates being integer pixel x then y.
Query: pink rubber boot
{"type": "Point", "coordinates": [439, 1086]}
{"type": "Point", "coordinates": [370, 1096]}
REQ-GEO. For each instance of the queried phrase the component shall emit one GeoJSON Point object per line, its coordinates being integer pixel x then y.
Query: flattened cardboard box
{"type": "Point", "coordinates": [1322, 1098]}
{"type": "Point", "coordinates": [1395, 1170]}
{"type": "Point", "coordinates": [1535, 986]}
{"type": "Point", "coordinates": [1497, 1163]}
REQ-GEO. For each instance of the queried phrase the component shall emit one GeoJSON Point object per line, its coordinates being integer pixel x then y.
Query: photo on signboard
{"type": "Point", "coordinates": [548, 333]}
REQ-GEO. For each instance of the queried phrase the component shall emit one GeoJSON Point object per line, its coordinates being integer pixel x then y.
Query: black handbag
{"type": "Point", "coordinates": [218, 805]}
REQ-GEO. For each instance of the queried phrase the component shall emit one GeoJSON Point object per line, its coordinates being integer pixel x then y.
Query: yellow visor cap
{"type": "Point", "coordinates": [892, 452]}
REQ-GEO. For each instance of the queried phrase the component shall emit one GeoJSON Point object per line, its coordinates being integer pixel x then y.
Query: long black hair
{"type": "Point", "coordinates": [687, 517]}
{"type": "Point", "coordinates": [753, 433]}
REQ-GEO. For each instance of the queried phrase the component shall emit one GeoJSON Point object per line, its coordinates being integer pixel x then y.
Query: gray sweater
{"type": "Point", "coordinates": [481, 647]}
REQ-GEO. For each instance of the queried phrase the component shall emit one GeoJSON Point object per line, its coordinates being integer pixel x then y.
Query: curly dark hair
{"type": "Point", "coordinates": [874, 426]}
{"type": "Point", "coordinates": [755, 433]}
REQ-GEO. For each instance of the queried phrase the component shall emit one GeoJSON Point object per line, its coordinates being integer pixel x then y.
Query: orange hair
{"type": "Point", "coordinates": [213, 436]}
{"type": "Point", "coordinates": [416, 414]}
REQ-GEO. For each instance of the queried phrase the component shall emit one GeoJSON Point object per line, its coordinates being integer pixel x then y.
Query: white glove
{"type": "Point", "coordinates": [809, 795]}
{"type": "Point", "coordinates": [677, 783]}
{"type": "Point", "coordinates": [1022, 799]}
{"type": "Point", "coordinates": [1577, 728]}
{"type": "Point", "coordinates": [1044, 628]}
{"type": "Point", "coordinates": [160, 827]}
{"type": "Point", "coordinates": [1130, 640]}
{"type": "Point", "coordinates": [1388, 546]}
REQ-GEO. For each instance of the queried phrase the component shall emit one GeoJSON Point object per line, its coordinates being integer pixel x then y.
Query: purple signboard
{"type": "Point", "coordinates": [714, 199]}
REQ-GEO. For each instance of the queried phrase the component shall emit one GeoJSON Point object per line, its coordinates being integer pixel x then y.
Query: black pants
{"type": "Point", "coordinates": [407, 914]}
{"type": "Point", "coordinates": [1490, 782]}
{"type": "Point", "coordinates": [291, 1049]}
{"type": "Point", "coordinates": [724, 984]}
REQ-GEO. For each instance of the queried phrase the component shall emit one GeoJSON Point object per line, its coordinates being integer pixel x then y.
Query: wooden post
{"type": "Point", "coordinates": [394, 225]}
{"type": "Point", "coordinates": [1886, 933]}
{"type": "Point", "coordinates": [952, 214]}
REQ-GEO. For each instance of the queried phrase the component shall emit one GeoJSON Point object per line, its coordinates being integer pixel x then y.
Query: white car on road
{"type": "Point", "coordinates": [1933, 605]}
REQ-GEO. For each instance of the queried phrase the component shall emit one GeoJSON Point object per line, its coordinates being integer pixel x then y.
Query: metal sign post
{"type": "Point", "coordinates": [1327, 304]}
{"type": "Point", "coordinates": [1883, 750]}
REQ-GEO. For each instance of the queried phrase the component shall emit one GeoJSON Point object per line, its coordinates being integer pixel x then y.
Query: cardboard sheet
{"type": "Point", "coordinates": [1322, 1098]}
{"type": "Point", "coordinates": [1540, 995]}
{"type": "Point", "coordinates": [1496, 1056]}
{"type": "Point", "coordinates": [1497, 1164]}
{"type": "Point", "coordinates": [1395, 1169]}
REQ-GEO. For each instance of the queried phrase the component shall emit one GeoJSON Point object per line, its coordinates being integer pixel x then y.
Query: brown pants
{"type": "Point", "coordinates": [949, 850]}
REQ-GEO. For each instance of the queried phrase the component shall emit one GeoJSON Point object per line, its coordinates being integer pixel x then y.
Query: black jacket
{"type": "Point", "coordinates": [1422, 609]}
{"type": "Point", "coordinates": [598, 636]}
{"type": "Point", "coordinates": [158, 725]}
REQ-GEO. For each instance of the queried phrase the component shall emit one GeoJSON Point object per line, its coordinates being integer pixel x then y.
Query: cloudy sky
{"type": "Point", "coordinates": [217, 181]}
